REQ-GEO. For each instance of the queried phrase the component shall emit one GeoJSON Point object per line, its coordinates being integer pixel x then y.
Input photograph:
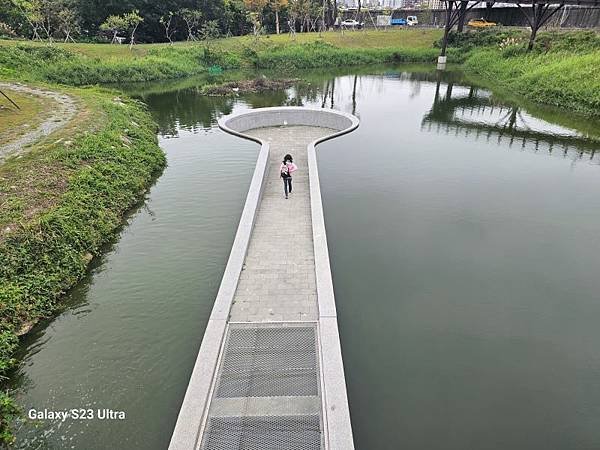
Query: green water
{"type": "Point", "coordinates": [463, 232]}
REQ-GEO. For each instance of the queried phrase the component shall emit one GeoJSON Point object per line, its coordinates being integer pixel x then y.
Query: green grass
{"type": "Point", "coordinates": [85, 64]}
{"type": "Point", "coordinates": [367, 39]}
{"type": "Point", "coordinates": [319, 54]}
{"type": "Point", "coordinates": [395, 38]}
{"type": "Point", "coordinates": [563, 71]}
{"type": "Point", "coordinates": [88, 183]}
{"type": "Point", "coordinates": [58, 64]}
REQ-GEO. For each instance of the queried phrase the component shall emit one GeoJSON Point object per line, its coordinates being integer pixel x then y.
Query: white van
{"type": "Point", "coordinates": [412, 20]}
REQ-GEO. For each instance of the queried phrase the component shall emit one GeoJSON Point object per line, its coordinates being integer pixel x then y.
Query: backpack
{"type": "Point", "coordinates": [285, 172]}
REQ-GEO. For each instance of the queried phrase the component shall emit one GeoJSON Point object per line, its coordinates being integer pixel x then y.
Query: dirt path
{"type": "Point", "coordinates": [63, 111]}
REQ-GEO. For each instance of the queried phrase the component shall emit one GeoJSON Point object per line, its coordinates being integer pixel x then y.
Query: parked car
{"type": "Point", "coordinates": [481, 23]}
{"type": "Point", "coordinates": [351, 23]}
{"type": "Point", "coordinates": [399, 21]}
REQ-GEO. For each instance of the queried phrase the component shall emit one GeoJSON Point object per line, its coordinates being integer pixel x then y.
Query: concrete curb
{"type": "Point", "coordinates": [336, 413]}
{"type": "Point", "coordinates": [195, 404]}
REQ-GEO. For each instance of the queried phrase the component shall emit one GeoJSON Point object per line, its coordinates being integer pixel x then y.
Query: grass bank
{"type": "Point", "coordinates": [563, 70]}
{"type": "Point", "coordinates": [86, 64]}
{"type": "Point", "coordinates": [570, 81]}
{"type": "Point", "coordinates": [60, 203]}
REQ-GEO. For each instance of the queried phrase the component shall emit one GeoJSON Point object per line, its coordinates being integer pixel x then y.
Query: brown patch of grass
{"type": "Point", "coordinates": [15, 122]}
{"type": "Point", "coordinates": [33, 182]}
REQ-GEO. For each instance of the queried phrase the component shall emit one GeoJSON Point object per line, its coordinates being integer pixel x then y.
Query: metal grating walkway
{"type": "Point", "coordinates": [267, 390]}
{"type": "Point", "coordinates": [264, 433]}
{"type": "Point", "coordinates": [262, 362]}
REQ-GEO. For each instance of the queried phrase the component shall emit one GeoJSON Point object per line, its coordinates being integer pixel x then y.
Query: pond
{"type": "Point", "coordinates": [463, 232]}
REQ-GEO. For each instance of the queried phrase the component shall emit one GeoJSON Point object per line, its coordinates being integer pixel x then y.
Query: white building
{"type": "Point", "coordinates": [393, 4]}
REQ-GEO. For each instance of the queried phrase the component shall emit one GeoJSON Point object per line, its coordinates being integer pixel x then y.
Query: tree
{"type": "Point", "coordinates": [36, 13]}
{"type": "Point", "coordinates": [48, 12]}
{"type": "Point", "coordinates": [166, 21]}
{"type": "Point", "coordinates": [192, 19]}
{"type": "Point", "coordinates": [277, 6]}
{"type": "Point", "coordinates": [133, 20]}
{"type": "Point", "coordinates": [235, 19]}
{"type": "Point", "coordinates": [209, 31]}
{"type": "Point", "coordinates": [116, 24]}
{"type": "Point", "coordinates": [68, 21]}
{"type": "Point", "coordinates": [294, 12]}
{"type": "Point", "coordinates": [6, 30]}
{"type": "Point", "coordinates": [305, 11]}
{"type": "Point", "coordinates": [255, 9]}
{"type": "Point", "coordinates": [13, 21]}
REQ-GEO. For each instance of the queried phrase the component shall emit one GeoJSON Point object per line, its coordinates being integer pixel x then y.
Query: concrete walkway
{"type": "Point", "coordinates": [269, 374]}
{"type": "Point", "coordinates": [268, 393]}
{"type": "Point", "coordinates": [278, 279]}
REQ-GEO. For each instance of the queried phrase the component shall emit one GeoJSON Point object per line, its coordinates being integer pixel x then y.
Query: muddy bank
{"type": "Point", "coordinates": [248, 86]}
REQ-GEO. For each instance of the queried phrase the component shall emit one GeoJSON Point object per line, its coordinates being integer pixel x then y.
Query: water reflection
{"type": "Point", "coordinates": [476, 114]}
{"type": "Point", "coordinates": [458, 108]}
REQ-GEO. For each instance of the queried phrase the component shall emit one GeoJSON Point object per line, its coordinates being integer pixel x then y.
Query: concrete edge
{"type": "Point", "coordinates": [336, 413]}
{"type": "Point", "coordinates": [191, 417]}
{"type": "Point", "coordinates": [336, 410]}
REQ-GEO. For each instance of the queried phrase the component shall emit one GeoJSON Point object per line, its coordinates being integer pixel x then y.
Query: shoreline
{"type": "Point", "coordinates": [90, 176]}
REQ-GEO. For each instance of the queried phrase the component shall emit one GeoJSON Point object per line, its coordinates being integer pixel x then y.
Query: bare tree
{"type": "Point", "coordinates": [166, 21]}
{"type": "Point", "coordinates": [133, 19]}
{"type": "Point", "coordinates": [277, 5]}
{"type": "Point", "coordinates": [209, 31]}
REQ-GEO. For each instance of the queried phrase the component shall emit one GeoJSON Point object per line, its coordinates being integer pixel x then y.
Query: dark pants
{"type": "Point", "coordinates": [287, 185]}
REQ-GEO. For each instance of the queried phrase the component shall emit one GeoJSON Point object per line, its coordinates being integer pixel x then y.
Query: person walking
{"type": "Point", "coordinates": [285, 171]}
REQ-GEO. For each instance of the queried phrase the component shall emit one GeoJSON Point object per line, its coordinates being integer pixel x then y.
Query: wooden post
{"type": "Point", "coordinates": [10, 100]}
{"type": "Point", "coordinates": [535, 24]}
{"type": "Point", "coordinates": [488, 9]}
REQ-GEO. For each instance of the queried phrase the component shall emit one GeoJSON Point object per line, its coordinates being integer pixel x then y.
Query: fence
{"type": "Point", "coordinates": [569, 17]}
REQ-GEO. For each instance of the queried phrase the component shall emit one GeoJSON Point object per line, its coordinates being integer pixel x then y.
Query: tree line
{"type": "Point", "coordinates": [134, 21]}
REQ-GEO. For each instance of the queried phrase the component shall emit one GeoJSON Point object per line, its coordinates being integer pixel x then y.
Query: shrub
{"type": "Point", "coordinates": [479, 38]}
{"type": "Point", "coordinates": [570, 41]}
